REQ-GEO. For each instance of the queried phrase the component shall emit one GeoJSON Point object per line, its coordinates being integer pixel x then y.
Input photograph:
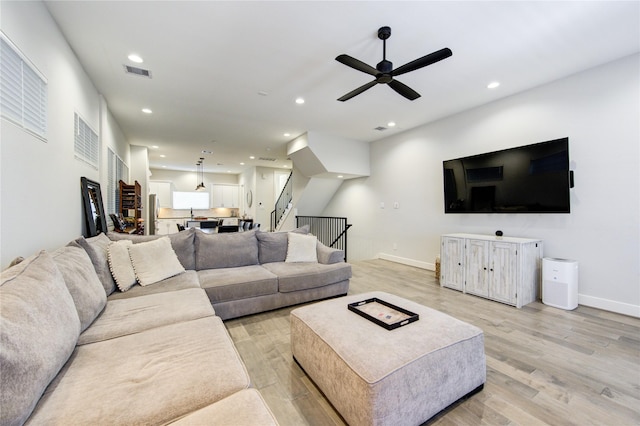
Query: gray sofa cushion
{"type": "Point", "coordinates": [97, 249]}
{"type": "Point", "coordinates": [82, 282]}
{"type": "Point", "coordinates": [302, 276]}
{"type": "Point", "coordinates": [272, 246]}
{"type": "Point", "coordinates": [39, 327]}
{"type": "Point", "coordinates": [237, 283]}
{"type": "Point", "coordinates": [148, 378]}
{"type": "Point", "coordinates": [243, 408]}
{"type": "Point", "coordinates": [133, 315]}
{"type": "Point", "coordinates": [188, 279]}
{"type": "Point", "coordinates": [182, 243]}
{"type": "Point", "coordinates": [228, 250]}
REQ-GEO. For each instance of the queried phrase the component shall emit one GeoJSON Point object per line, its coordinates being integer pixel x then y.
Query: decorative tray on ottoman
{"type": "Point", "coordinates": [383, 313]}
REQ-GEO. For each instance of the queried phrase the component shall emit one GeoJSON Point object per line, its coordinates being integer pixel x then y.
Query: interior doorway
{"type": "Point", "coordinates": [279, 181]}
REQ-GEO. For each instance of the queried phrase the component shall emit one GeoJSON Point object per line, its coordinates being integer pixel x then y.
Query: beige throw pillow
{"type": "Point", "coordinates": [301, 248]}
{"type": "Point", "coordinates": [120, 264]}
{"type": "Point", "coordinates": [154, 261]}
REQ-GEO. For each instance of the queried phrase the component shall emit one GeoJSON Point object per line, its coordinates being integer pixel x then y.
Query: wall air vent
{"type": "Point", "coordinates": [137, 71]}
{"type": "Point", "coordinates": [380, 128]}
{"type": "Point", "coordinates": [266, 159]}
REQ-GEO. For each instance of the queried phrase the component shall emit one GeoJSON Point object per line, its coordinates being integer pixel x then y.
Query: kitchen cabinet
{"type": "Point", "coordinates": [164, 191]}
{"type": "Point", "coordinates": [168, 226]}
{"type": "Point", "coordinates": [227, 196]}
{"type": "Point", "coordinates": [504, 269]}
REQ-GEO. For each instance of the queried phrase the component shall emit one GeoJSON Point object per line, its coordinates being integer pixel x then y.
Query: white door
{"type": "Point", "coordinates": [279, 181]}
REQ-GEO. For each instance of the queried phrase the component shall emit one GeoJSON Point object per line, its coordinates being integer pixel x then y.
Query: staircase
{"type": "Point", "coordinates": [283, 205]}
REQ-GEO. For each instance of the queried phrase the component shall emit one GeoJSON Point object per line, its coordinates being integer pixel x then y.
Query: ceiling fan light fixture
{"type": "Point", "coordinates": [384, 73]}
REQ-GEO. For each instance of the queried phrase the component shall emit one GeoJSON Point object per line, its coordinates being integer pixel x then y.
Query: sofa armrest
{"type": "Point", "coordinates": [328, 255]}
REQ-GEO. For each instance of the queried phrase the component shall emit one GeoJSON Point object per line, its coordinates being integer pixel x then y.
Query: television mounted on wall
{"type": "Point", "coordinates": [527, 179]}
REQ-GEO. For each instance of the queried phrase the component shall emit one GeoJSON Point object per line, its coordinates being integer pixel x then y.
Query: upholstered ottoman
{"type": "Point", "coordinates": [374, 376]}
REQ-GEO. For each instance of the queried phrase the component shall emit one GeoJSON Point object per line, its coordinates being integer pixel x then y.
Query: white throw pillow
{"type": "Point", "coordinates": [302, 248]}
{"type": "Point", "coordinates": [154, 261]}
{"type": "Point", "coordinates": [120, 264]}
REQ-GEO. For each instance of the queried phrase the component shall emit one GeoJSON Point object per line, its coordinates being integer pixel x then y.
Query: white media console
{"type": "Point", "coordinates": [504, 269]}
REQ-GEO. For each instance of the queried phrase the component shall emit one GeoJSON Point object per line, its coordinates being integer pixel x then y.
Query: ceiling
{"type": "Point", "coordinates": [225, 75]}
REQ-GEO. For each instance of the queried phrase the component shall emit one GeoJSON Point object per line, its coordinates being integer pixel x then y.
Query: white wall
{"type": "Point", "coordinates": [187, 181]}
{"type": "Point", "coordinates": [40, 197]}
{"type": "Point", "coordinates": [597, 109]}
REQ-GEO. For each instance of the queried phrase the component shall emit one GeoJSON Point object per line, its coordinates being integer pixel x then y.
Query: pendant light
{"type": "Point", "coordinates": [198, 185]}
{"type": "Point", "coordinates": [201, 186]}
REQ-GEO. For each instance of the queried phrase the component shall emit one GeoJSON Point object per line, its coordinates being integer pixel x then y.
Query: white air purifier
{"type": "Point", "coordinates": [560, 283]}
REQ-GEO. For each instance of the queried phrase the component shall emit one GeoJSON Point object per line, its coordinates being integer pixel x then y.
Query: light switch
{"type": "Point", "coordinates": [382, 204]}
{"type": "Point", "coordinates": [396, 205]}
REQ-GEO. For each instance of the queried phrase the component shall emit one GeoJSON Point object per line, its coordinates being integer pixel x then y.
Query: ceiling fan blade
{"type": "Point", "coordinates": [358, 91]}
{"type": "Point", "coordinates": [429, 59]}
{"type": "Point", "coordinates": [356, 64]}
{"type": "Point", "coordinates": [404, 90]}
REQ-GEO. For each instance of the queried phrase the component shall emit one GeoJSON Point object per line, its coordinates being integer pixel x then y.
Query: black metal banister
{"type": "Point", "coordinates": [331, 231]}
{"type": "Point", "coordinates": [282, 203]}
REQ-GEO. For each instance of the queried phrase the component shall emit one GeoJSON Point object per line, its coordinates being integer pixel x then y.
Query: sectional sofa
{"type": "Point", "coordinates": [120, 329]}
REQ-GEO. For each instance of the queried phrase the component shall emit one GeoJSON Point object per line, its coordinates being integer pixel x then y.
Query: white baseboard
{"type": "Point", "coordinates": [406, 261]}
{"type": "Point", "coordinates": [609, 305]}
{"type": "Point", "coordinates": [591, 301]}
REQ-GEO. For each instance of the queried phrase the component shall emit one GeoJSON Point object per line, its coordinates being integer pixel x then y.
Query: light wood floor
{"type": "Point", "coordinates": [544, 365]}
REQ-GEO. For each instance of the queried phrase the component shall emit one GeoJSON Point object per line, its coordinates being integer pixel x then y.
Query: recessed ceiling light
{"type": "Point", "coordinates": [242, 163]}
{"type": "Point", "coordinates": [135, 58]}
{"type": "Point", "coordinates": [286, 135]}
{"type": "Point", "coordinates": [299, 101]}
{"type": "Point", "coordinates": [252, 157]}
{"type": "Point", "coordinates": [493, 85]}
{"type": "Point", "coordinates": [391, 124]}
{"type": "Point", "coordinates": [162, 156]}
{"type": "Point", "coordinates": [340, 176]}
{"type": "Point", "coordinates": [155, 146]}
{"type": "Point", "coordinates": [146, 110]}
{"type": "Point", "coordinates": [164, 167]}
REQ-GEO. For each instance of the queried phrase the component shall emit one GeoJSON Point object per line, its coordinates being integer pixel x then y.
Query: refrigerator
{"type": "Point", "coordinates": [154, 207]}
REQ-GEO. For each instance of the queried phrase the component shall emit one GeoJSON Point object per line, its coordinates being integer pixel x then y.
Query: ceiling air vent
{"type": "Point", "coordinates": [266, 159]}
{"type": "Point", "coordinates": [380, 128]}
{"type": "Point", "coordinates": [137, 71]}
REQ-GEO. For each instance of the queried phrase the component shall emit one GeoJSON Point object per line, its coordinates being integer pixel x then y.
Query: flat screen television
{"type": "Point", "coordinates": [527, 179]}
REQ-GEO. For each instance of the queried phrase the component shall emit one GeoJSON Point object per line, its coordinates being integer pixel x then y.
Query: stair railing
{"type": "Point", "coordinates": [282, 203]}
{"type": "Point", "coordinates": [331, 231]}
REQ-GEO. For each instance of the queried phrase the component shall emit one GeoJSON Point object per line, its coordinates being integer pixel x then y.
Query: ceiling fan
{"type": "Point", "coordinates": [384, 72]}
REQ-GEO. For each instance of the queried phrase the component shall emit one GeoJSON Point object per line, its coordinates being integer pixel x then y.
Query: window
{"type": "Point", "coordinates": [86, 144]}
{"type": "Point", "coordinates": [23, 90]}
{"type": "Point", "coordinates": [117, 171]}
{"type": "Point", "coordinates": [190, 200]}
